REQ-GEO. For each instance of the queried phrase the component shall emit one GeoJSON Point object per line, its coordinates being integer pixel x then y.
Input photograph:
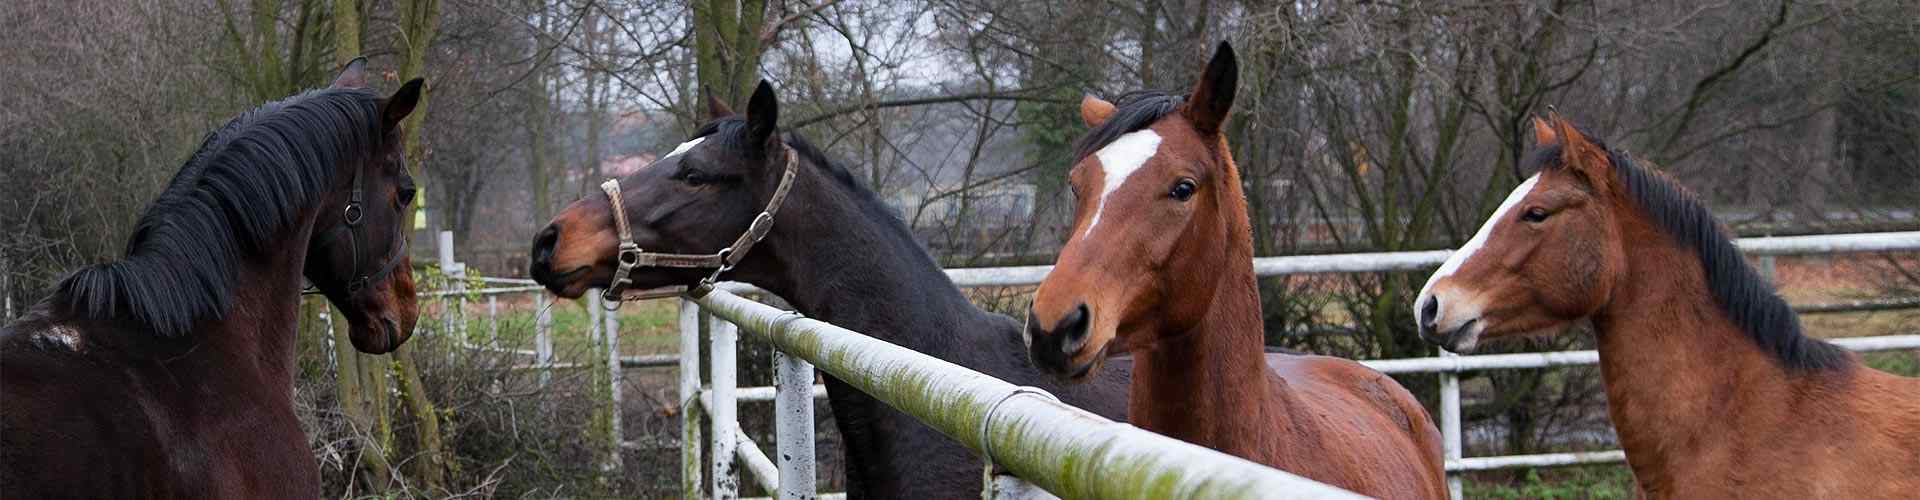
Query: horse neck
{"type": "Point", "coordinates": [256, 337]}
{"type": "Point", "coordinates": [838, 261]}
{"type": "Point", "coordinates": [1195, 385]}
{"type": "Point", "coordinates": [1677, 370]}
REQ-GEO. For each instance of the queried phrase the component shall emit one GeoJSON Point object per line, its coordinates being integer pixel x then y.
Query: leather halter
{"type": "Point", "coordinates": [631, 256]}
{"type": "Point", "coordinates": [350, 219]}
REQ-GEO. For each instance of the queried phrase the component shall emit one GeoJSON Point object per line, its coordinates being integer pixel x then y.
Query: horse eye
{"type": "Point", "coordinates": [695, 179]}
{"type": "Point", "coordinates": [1182, 190]}
{"type": "Point", "coordinates": [1535, 215]}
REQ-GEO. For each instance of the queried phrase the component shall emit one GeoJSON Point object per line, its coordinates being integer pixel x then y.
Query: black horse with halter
{"type": "Point", "coordinates": [631, 256]}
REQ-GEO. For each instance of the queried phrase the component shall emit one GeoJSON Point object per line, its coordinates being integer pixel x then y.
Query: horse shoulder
{"type": "Point", "coordinates": [67, 412]}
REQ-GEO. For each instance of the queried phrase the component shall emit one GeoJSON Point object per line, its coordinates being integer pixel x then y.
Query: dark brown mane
{"type": "Point", "coordinates": [1132, 111]}
{"type": "Point", "coordinates": [1747, 298]}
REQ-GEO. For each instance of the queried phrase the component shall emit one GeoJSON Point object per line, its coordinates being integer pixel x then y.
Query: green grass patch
{"type": "Point", "coordinates": [1590, 482]}
{"type": "Point", "coordinates": [1906, 363]}
{"type": "Point", "coordinates": [646, 327]}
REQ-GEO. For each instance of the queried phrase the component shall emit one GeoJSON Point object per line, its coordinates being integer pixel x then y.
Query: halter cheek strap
{"type": "Point", "coordinates": [350, 219]}
{"type": "Point", "coordinates": [632, 257]}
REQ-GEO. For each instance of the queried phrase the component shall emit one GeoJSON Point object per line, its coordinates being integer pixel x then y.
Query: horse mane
{"type": "Point", "coordinates": [1746, 298]}
{"type": "Point", "coordinates": [1132, 111]}
{"type": "Point", "coordinates": [247, 182]}
{"type": "Point", "coordinates": [731, 133]}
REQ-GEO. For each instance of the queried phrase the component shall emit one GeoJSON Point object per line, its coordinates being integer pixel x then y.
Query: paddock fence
{"type": "Point", "coordinates": [1029, 434]}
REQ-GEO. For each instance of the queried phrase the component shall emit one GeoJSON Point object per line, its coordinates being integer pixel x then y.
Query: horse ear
{"type": "Point", "coordinates": [354, 76]}
{"type": "Point", "coordinates": [401, 104]}
{"type": "Point", "coordinates": [1212, 99]}
{"type": "Point", "coordinates": [763, 114]}
{"type": "Point", "coordinates": [1543, 133]}
{"type": "Point", "coordinates": [1579, 153]}
{"type": "Point", "coordinates": [1095, 111]}
{"type": "Point", "coordinates": [715, 108]}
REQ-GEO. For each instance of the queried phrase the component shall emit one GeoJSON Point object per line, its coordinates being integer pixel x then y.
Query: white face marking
{"type": "Point", "coordinates": [1118, 161]}
{"type": "Point", "coordinates": [1466, 251]}
{"type": "Point", "coordinates": [684, 146]}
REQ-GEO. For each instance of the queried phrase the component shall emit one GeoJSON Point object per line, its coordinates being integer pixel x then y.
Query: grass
{"type": "Point", "coordinates": [646, 327]}
{"type": "Point", "coordinates": [1589, 482]}
{"type": "Point", "coordinates": [1904, 363]}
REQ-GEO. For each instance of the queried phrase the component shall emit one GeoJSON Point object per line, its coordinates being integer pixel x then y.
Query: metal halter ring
{"type": "Point", "coordinates": [351, 215]}
{"type": "Point", "coordinates": [629, 255]}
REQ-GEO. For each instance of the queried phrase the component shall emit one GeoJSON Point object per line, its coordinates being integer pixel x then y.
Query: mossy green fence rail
{"type": "Point", "coordinates": [1062, 449]}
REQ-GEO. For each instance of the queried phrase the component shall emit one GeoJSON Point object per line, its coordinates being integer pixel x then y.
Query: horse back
{"type": "Point", "coordinates": [71, 426]}
{"type": "Point", "coordinates": [1887, 459]}
{"type": "Point", "coordinates": [1388, 435]}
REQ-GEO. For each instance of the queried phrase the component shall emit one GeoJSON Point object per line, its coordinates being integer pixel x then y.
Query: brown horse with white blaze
{"type": "Point", "coordinates": [1714, 389]}
{"type": "Point", "coordinates": [1160, 264]}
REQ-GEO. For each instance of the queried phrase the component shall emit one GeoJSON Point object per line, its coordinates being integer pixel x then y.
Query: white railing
{"type": "Point", "coordinates": [1060, 448]}
{"type": "Point", "coordinates": [794, 424]}
{"type": "Point", "coordinates": [1447, 365]}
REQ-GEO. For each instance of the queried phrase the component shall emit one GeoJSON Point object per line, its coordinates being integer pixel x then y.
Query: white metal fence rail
{"type": "Point", "coordinates": [1447, 365]}
{"type": "Point", "coordinates": [793, 475]}
{"type": "Point", "coordinates": [1063, 449]}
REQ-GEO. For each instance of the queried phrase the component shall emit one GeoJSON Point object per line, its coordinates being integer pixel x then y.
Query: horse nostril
{"type": "Point", "coordinates": [1073, 330]}
{"type": "Point", "coordinates": [1429, 311]}
{"type": "Point", "coordinates": [543, 250]}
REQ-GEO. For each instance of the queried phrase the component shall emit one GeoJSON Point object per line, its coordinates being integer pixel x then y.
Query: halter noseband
{"type": "Point", "coordinates": [631, 256]}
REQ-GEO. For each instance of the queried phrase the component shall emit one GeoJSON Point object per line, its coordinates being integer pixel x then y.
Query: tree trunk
{"type": "Point", "coordinates": [418, 23]}
{"type": "Point", "coordinates": [727, 48]}
{"type": "Point", "coordinates": [537, 110]}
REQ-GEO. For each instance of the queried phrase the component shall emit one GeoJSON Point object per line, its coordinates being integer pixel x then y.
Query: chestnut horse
{"type": "Point", "coordinates": [169, 373]}
{"type": "Point", "coordinates": [1713, 387]}
{"type": "Point", "coordinates": [1160, 264]}
{"type": "Point", "coordinates": [838, 254]}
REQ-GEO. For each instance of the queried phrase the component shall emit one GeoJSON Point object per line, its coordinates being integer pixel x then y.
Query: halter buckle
{"type": "Point", "coordinates": [762, 224]}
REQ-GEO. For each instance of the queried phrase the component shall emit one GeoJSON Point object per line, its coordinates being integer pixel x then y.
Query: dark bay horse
{"type": "Point", "coordinates": [1713, 387]}
{"type": "Point", "coordinates": [169, 373]}
{"type": "Point", "coordinates": [837, 254]}
{"type": "Point", "coordinates": [1160, 264]}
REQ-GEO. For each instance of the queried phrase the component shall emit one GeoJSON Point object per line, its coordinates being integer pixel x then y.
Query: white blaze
{"type": "Point", "coordinates": [683, 147]}
{"type": "Point", "coordinates": [1480, 238]}
{"type": "Point", "coordinates": [1119, 160]}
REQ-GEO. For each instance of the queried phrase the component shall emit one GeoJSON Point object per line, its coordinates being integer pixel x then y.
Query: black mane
{"type": "Point", "coordinates": [731, 133]}
{"type": "Point", "coordinates": [1747, 298]}
{"type": "Point", "coordinates": [247, 182]}
{"type": "Point", "coordinates": [1132, 111]}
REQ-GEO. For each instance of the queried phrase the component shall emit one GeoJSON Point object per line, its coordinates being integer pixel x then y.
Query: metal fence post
{"type": "Point", "coordinates": [690, 400]}
{"type": "Point", "coordinates": [450, 269]}
{"type": "Point", "coordinates": [793, 425]}
{"type": "Point", "coordinates": [6, 285]}
{"type": "Point", "coordinates": [543, 337]}
{"type": "Point", "coordinates": [1450, 424]}
{"type": "Point", "coordinates": [493, 321]}
{"type": "Point", "coordinates": [610, 329]}
{"type": "Point", "coordinates": [726, 483]}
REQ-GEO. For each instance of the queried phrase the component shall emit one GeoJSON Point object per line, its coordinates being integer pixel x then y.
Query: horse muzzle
{"type": "Point", "coordinates": [1060, 351]}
